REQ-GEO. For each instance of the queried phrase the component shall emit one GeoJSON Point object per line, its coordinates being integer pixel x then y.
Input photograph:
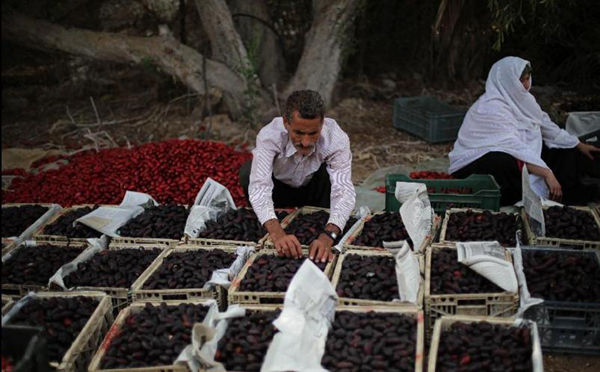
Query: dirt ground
{"type": "Point", "coordinates": [139, 107]}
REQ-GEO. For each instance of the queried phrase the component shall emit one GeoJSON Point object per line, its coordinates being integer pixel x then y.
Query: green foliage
{"type": "Point", "coordinates": [248, 70]}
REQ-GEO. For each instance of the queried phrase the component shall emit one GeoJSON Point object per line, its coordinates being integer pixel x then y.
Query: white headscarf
{"type": "Point", "coordinates": [507, 118]}
{"type": "Point", "coordinates": [504, 86]}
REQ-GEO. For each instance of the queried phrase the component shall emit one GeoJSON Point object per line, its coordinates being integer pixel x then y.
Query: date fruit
{"type": "Point", "coordinates": [270, 273]}
{"type": "Point", "coordinates": [371, 342]}
{"type": "Point", "coordinates": [15, 220]}
{"type": "Point", "coordinates": [570, 223]}
{"type": "Point", "coordinates": [62, 319]}
{"type": "Point", "coordinates": [35, 265]}
{"type": "Point", "coordinates": [63, 226]}
{"type": "Point", "coordinates": [307, 227]}
{"type": "Point", "coordinates": [562, 276]}
{"type": "Point", "coordinates": [155, 336]}
{"type": "Point", "coordinates": [368, 278]}
{"type": "Point", "coordinates": [448, 276]}
{"type": "Point", "coordinates": [240, 224]}
{"type": "Point", "coordinates": [384, 227]}
{"type": "Point", "coordinates": [165, 221]}
{"type": "Point", "coordinates": [189, 269]}
{"type": "Point", "coordinates": [246, 341]}
{"type": "Point", "coordinates": [485, 226]}
{"type": "Point", "coordinates": [112, 268]}
{"type": "Point", "coordinates": [482, 346]}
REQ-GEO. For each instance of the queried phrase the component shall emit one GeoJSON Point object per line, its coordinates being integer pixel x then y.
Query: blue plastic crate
{"type": "Point", "coordinates": [428, 118]}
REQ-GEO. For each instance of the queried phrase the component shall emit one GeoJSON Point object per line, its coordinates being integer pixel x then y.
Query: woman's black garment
{"type": "Point", "coordinates": [316, 193]}
{"type": "Point", "coordinates": [568, 166]}
{"type": "Point", "coordinates": [505, 170]}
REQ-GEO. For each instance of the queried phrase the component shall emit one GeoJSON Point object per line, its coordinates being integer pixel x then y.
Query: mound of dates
{"type": "Point", "coordinates": [189, 269]}
{"type": "Point", "coordinates": [570, 223]}
{"type": "Point", "coordinates": [307, 227]}
{"type": "Point", "coordinates": [368, 278]}
{"type": "Point", "coordinates": [238, 224]}
{"type": "Point", "coordinates": [371, 342]}
{"type": "Point", "coordinates": [562, 276]}
{"type": "Point", "coordinates": [448, 276]}
{"type": "Point", "coordinates": [62, 319]}
{"type": "Point", "coordinates": [64, 225]}
{"type": "Point", "coordinates": [270, 273]}
{"type": "Point", "coordinates": [384, 227]}
{"type": "Point", "coordinates": [246, 341]}
{"type": "Point", "coordinates": [485, 226]}
{"type": "Point", "coordinates": [155, 336]}
{"type": "Point", "coordinates": [37, 264]}
{"type": "Point", "coordinates": [160, 222]}
{"type": "Point", "coordinates": [15, 220]}
{"type": "Point", "coordinates": [112, 268]}
{"type": "Point", "coordinates": [484, 347]}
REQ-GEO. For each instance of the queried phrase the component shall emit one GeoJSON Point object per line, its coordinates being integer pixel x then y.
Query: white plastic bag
{"type": "Point", "coordinates": [108, 220]}
{"type": "Point", "coordinates": [416, 211]}
{"type": "Point", "coordinates": [489, 261]}
{"type": "Point", "coordinates": [223, 277]}
{"type": "Point", "coordinates": [408, 274]}
{"type": "Point", "coordinates": [212, 200]}
{"type": "Point", "coordinates": [304, 323]}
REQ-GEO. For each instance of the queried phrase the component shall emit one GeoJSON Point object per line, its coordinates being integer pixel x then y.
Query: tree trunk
{"type": "Point", "coordinates": [168, 54]}
{"type": "Point", "coordinates": [321, 59]}
{"type": "Point", "coordinates": [253, 23]}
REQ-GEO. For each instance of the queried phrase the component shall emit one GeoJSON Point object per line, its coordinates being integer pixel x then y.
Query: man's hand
{"type": "Point", "coordinates": [587, 150]}
{"type": "Point", "coordinates": [285, 245]}
{"type": "Point", "coordinates": [320, 249]}
{"type": "Point", "coordinates": [554, 186]}
{"type": "Point", "coordinates": [288, 245]}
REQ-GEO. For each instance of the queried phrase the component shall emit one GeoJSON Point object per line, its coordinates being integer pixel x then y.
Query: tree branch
{"type": "Point", "coordinates": [166, 53]}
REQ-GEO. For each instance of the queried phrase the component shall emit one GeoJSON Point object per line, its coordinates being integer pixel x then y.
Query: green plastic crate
{"type": "Point", "coordinates": [428, 118]}
{"type": "Point", "coordinates": [486, 192]}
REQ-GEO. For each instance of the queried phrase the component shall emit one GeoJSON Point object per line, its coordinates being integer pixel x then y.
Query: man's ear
{"type": "Point", "coordinates": [285, 120]}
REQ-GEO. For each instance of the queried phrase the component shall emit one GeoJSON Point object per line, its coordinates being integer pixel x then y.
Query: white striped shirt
{"type": "Point", "coordinates": [276, 155]}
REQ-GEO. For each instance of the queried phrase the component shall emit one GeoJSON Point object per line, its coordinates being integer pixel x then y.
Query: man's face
{"type": "Point", "coordinates": [304, 133]}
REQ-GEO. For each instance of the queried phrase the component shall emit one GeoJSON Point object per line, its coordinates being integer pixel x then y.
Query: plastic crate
{"type": "Point", "coordinates": [27, 348]}
{"type": "Point", "coordinates": [486, 193]}
{"type": "Point", "coordinates": [428, 118]}
{"type": "Point", "coordinates": [115, 329]}
{"type": "Point", "coordinates": [446, 322]}
{"type": "Point", "coordinates": [236, 296]}
{"type": "Point", "coordinates": [417, 314]}
{"type": "Point", "coordinates": [217, 293]}
{"type": "Point", "coordinates": [499, 304]}
{"type": "Point", "coordinates": [449, 212]}
{"type": "Point", "coordinates": [356, 302]}
{"type": "Point", "coordinates": [548, 241]}
{"type": "Point", "coordinates": [567, 327]}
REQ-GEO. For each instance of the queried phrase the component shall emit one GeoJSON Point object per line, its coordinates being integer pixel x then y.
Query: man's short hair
{"type": "Point", "coordinates": [307, 102]}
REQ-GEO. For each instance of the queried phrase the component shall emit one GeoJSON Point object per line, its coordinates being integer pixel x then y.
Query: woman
{"type": "Point", "coordinates": [506, 130]}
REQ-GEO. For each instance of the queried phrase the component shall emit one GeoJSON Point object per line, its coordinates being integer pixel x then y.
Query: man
{"type": "Point", "coordinates": [301, 159]}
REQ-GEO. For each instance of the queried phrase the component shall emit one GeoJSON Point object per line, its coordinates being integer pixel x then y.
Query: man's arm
{"type": "Point", "coordinates": [260, 193]}
{"type": "Point", "coordinates": [343, 198]}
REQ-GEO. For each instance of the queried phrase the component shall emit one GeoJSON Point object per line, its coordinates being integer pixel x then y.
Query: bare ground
{"type": "Point", "coordinates": [130, 110]}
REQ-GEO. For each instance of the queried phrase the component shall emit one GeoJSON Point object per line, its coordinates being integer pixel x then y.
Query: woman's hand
{"type": "Point", "coordinates": [587, 150]}
{"type": "Point", "coordinates": [554, 186]}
